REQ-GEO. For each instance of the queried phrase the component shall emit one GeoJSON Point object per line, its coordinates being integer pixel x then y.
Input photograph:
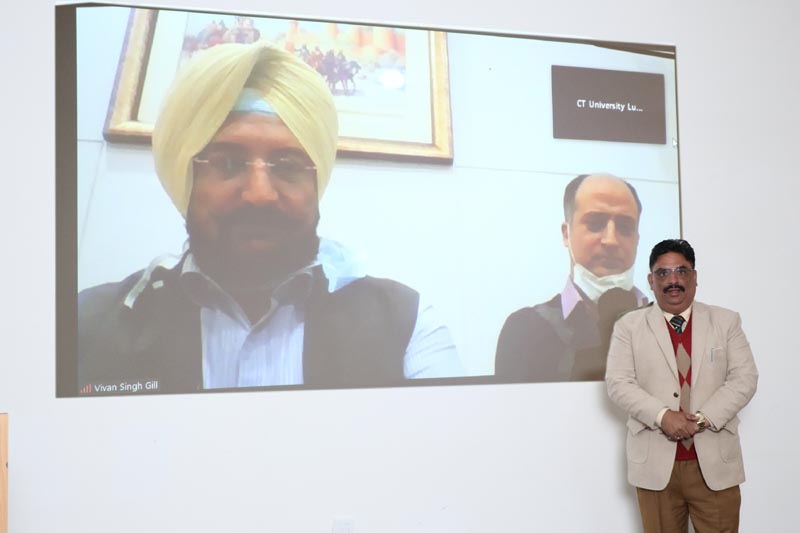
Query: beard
{"type": "Point", "coordinates": [222, 253]}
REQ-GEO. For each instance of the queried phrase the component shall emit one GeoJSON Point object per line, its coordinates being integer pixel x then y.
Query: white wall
{"type": "Point", "coordinates": [455, 459]}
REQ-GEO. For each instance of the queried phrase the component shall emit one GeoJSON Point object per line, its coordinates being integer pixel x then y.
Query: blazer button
{"type": "Point", "coordinates": [675, 394]}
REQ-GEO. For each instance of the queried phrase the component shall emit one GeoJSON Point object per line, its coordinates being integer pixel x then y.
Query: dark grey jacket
{"type": "Point", "coordinates": [354, 337]}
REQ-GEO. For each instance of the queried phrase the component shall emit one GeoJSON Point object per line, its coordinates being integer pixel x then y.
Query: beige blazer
{"type": "Point", "coordinates": [642, 378]}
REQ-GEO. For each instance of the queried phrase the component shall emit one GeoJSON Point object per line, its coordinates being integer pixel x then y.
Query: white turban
{"type": "Point", "coordinates": [205, 91]}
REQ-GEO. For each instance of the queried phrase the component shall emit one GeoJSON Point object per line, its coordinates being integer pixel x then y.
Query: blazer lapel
{"type": "Point", "coordinates": [655, 320]}
{"type": "Point", "coordinates": [701, 325]}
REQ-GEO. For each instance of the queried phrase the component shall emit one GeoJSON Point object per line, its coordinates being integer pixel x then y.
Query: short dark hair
{"type": "Point", "coordinates": [571, 191]}
{"type": "Point", "coordinates": [679, 246]}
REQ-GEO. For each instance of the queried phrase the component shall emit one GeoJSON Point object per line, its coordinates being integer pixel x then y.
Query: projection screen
{"type": "Point", "coordinates": [489, 213]}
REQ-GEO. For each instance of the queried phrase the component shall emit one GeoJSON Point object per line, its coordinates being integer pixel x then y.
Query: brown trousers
{"type": "Point", "coordinates": [687, 495]}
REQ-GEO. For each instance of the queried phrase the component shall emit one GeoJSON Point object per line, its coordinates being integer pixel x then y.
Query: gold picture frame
{"type": "Point", "coordinates": [420, 128]}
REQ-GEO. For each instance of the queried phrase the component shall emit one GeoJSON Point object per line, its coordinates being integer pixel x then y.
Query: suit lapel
{"type": "Point", "coordinates": [701, 325]}
{"type": "Point", "coordinates": [655, 320]}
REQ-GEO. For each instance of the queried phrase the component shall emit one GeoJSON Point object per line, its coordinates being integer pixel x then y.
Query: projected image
{"type": "Point", "coordinates": [566, 338]}
{"type": "Point", "coordinates": [234, 251]}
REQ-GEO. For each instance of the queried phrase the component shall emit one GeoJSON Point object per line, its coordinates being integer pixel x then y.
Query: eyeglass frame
{"type": "Point", "coordinates": [681, 271]}
{"type": "Point", "coordinates": [256, 162]}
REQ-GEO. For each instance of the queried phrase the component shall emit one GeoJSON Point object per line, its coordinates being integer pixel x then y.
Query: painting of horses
{"type": "Point", "coordinates": [354, 60]}
{"type": "Point", "coordinates": [389, 84]}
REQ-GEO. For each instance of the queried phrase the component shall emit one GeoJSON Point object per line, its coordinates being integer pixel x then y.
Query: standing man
{"type": "Point", "coordinates": [566, 338]}
{"type": "Point", "coordinates": [244, 146]}
{"type": "Point", "coordinates": [682, 370]}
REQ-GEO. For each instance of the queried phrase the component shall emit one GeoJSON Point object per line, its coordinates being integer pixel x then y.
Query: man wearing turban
{"type": "Point", "coordinates": [244, 146]}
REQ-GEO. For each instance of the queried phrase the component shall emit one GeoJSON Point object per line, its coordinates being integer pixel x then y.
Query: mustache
{"type": "Point", "coordinates": [674, 286]}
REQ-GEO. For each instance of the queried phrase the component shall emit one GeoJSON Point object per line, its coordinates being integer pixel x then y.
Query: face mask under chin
{"type": "Point", "coordinates": [593, 286]}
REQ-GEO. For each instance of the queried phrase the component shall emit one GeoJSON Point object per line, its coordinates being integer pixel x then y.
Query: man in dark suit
{"type": "Point", "coordinates": [566, 338]}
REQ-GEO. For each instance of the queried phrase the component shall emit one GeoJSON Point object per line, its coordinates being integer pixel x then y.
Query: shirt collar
{"type": "Point", "coordinates": [570, 297]}
{"type": "Point", "coordinates": [206, 292]}
{"type": "Point", "coordinates": [340, 264]}
{"type": "Point", "coordinates": [686, 314]}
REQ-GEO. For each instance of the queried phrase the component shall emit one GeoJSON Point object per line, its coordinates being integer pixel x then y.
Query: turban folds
{"type": "Point", "coordinates": [205, 91]}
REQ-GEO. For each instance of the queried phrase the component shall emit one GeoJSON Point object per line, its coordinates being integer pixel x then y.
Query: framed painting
{"type": "Point", "coordinates": [390, 85]}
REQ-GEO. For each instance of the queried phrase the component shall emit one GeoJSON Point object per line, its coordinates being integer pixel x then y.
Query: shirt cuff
{"type": "Point", "coordinates": [661, 414]}
{"type": "Point", "coordinates": [711, 424]}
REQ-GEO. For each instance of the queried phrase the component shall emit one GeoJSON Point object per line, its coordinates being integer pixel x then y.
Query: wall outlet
{"type": "Point", "coordinates": [344, 525]}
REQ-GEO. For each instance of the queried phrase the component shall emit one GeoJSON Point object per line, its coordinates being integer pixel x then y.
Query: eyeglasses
{"type": "Point", "coordinates": [289, 168]}
{"type": "Point", "coordinates": [681, 272]}
{"type": "Point", "coordinates": [625, 226]}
